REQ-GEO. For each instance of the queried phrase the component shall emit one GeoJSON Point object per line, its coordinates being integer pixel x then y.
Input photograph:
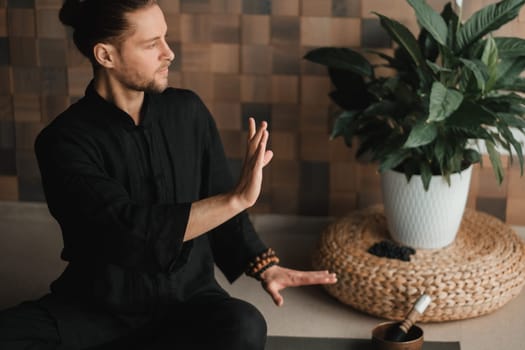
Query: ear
{"type": "Point", "coordinates": [104, 54]}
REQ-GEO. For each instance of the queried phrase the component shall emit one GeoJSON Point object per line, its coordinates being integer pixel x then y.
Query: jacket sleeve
{"type": "Point", "coordinates": [234, 243]}
{"type": "Point", "coordinates": [95, 212]}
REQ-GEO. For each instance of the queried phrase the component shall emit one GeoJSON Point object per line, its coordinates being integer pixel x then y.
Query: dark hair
{"type": "Point", "coordinates": [95, 21]}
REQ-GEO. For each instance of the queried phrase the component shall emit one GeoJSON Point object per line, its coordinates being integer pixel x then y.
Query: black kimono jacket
{"type": "Point", "coordinates": [122, 195]}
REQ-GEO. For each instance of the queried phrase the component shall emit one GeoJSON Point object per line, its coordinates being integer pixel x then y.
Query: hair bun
{"type": "Point", "coordinates": [71, 12]}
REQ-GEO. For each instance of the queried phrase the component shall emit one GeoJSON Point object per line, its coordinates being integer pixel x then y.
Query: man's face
{"type": "Point", "coordinates": [143, 56]}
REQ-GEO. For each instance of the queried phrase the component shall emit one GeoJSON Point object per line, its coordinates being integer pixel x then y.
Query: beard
{"type": "Point", "coordinates": [135, 81]}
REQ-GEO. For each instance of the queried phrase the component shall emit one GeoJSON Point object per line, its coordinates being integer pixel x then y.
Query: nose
{"type": "Point", "coordinates": [167, 52]}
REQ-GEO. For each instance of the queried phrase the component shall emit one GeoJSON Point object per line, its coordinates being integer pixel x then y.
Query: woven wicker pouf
{"type": "Point", "coordinates": [481, 271]}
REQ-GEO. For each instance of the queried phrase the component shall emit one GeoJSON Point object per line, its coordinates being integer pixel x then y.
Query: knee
{"type": "Point", "coordinates": [250, 327]}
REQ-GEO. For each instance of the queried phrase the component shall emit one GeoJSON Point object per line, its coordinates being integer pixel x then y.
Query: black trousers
{"type": "Point", "coordinates": [206, 323]}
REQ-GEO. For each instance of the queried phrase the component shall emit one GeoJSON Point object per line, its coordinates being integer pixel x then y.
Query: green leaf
{"type": "Point", "coordinates": [421, 134]}
{"type": "Point", "coordinates": [345, 125]}
{"type": "Point", "coordinates": [402, 35]}
{"type": "Point", "coordinates": [507, 133]}
{"type": "Point", "coordinates": [426, 175]}
{"type": "Point", "coordinates": [436, 68]}
{"type": "Point", "coordinates": [341, 58]}
{"type": "Point", "coordinates": [490, 58]}
{"type": "Point", "coordinates": [508, 71]}
{"type": "Point", "coordinates": [430, 20]}
{"type": "Point", "coordinates": [510, 47]}
{"type": "Point", "coordinates": [443, 102]}
{"type": "Point", "coordinates": [479, 70]}
{"type": "Point", "coordinates": [451, 18]}
{"type": "Point", "coordinates": [471, 116]}
{"type": "Point", "coordinates": [517, 85]}
{"type": "Point", "coordinates": [471, 156]}
{"type": "Point", "coordinates": [487, 20]}
{"type": "Point", "coordinates": [495, 160]}
{"type": "Point", "coordinates": [393, 159]}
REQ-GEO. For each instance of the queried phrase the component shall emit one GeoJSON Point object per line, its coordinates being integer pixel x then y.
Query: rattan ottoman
{"type": "Point", "coordinates": [481, 271]}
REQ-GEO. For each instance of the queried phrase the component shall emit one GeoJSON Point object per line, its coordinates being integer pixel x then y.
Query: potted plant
{"type": "Point", "coordinates": [454, 89]}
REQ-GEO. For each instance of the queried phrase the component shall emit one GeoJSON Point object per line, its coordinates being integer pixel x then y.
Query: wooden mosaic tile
{"type": "Point", "coordinates": [6, 108]}
{"type": "Point", "coordinates": [285, 7]}
{"type": "Point", "coordinates": [3, 22]}
{"type": "Point", "coordinates": [227, 115]}
{"type": "Point", "coordinates": [315, 90]}
{"type": "Point", "coordinates": [195, 6]}
{"type": "Point", "coordinates": [48, 4]}
{"type": "Point", "coordinates": [285, 200]}
{"type": "Point", "coordinates": [74, 57]}
{"type": "Point", "coordinates": [317, 8]}
{"type": "Point", "coordinates": [373, 35]}
{"type": "Point", "coordinates": [285, 145]}
{"type": "Point", "coordinates": [256, 59]}
{"type": "Point", "coordinates": [201, 83]}
{"type": "Point", "coordinates": [227, 87]}
{"type": "Point", "coordinates": [255, 30]}
{"type": "Point", "coordinates": [8, 186]}
{"type": "Point", "coordinates": [516, 182]}
{"type": "Point", "coordinates": [285, 89]}
{"type": "Point", "coordinates": [286, 59]}
{"type": "Point", "coordinates": [315, 118]}
{"type": "Point", "coordinates": [173, 21]}
{"type": "Point", "coordinates": [4, 51]}
{"type": "Point", "coordinates": [255, 88]}
{"type": "Point", "coordinates": [26, 133]}
{"type": "Point", "coordinates": [225, 58]}
{"type": "Point", "coordinates": [494, 206]}
{"type": "Point", "coordinates": [26, 80]}
{"type": "Point", "coordinates": [48, 25]}
{"type": "Point", "coordinates": [285, 173]}
{"type": "Point", "coordinates": [21, 22]}
{"type": "Point", "coordinates": [342, 203]}
{"type": "Point", "coordinates": [5, 80]}
{"type": "Point", "coordinates": [284, 30]}
{"type": "Point", "coordinates": [196, 58]}
{"type": "Point", "coordinates": [52, 52]}
{"type": "Point", "coordinates": [285, 116]}
{"type": "Point", "coordinates": [195, 28]}
{"type": "Point", "coordinates": [169, 6]}
{"type": "Point", "coordinates": [51, 106]}
{"type": "Point", "coordinates": [225, 28]}
{"type": "Point", "coordinates": [21, 3]}
{"type": "Point", "coordinates": [26, 108]}
{"type": "Point", "coordinates": [345, 32]}
{"type": "Point", "coordinates": [54, 81]}
{"type": "Point", "coordinates": [343, 177]}
{"type": "Point", "coordinates": [22, 52]}
{"type": "Point", "coordinates": [314, 146]}
{"type": "Point", "coordinates": [257, 6]}
{"type": "Point", "coordinates": [77, 80]}
{"type": "Point", "coordinates": [226, 6]}
{"type": "Point", "coordinates": [231, 140]}
{"type": "Point", "coordinates": [514, 211]}
{"type": "Point", "coordinates": [7, 135]}
{"type": "Point", "coordinates": [346, 8]}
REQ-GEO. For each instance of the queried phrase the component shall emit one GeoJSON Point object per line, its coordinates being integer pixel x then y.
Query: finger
{"type": "Point", "coordinates": [267, 157]}
{"type": "Point", "coordinates": [255, 141]}
{"type": "Point", "coordinates": [251, 128]}
{"type": "Point", "coordinates": [303, 278]}
{"type": "Point", "coordinates": [276, 296]}
{"type": "Point", "coordinates": [262, 147]}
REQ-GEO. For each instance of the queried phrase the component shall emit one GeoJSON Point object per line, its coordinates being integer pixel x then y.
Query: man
{"type": "Point", "coordinates": [136, 176]}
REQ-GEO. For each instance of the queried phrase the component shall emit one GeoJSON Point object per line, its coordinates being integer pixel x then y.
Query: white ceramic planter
{"type": "Point", "coordinates": [424, 219]}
